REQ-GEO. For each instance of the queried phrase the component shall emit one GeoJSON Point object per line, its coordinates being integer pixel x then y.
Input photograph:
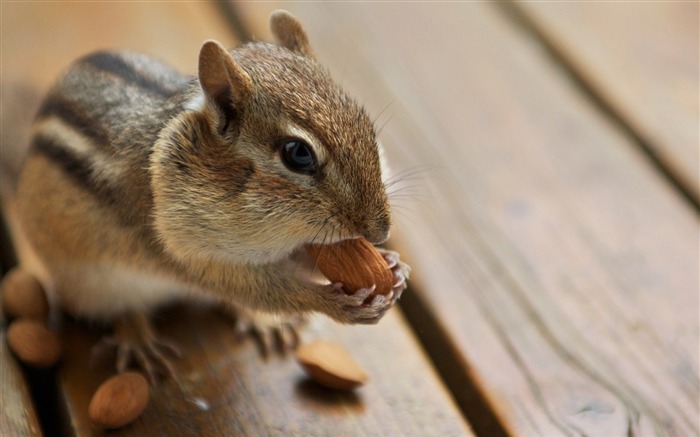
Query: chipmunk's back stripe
{"type": "Point", "coordinates": [78, 169]}
{"type": "Point", "coordinates": [72, 165]}
{"type": "Point", "coordinates": [113, 64]}
{"type": "Point", "coordinates": [67, 113]}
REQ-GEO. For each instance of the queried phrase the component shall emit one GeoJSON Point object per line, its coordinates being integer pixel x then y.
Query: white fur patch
{"type": "Point", "coordinates": [103, 292]}
{"type": "Point", "coordinates": [66, 135]}
{"type": "Point", "coordinates": [80, 146]}
{"type": "Point", "coordinates": [196, 103]}
{"type": "Point", "coordinates": [383, 163]}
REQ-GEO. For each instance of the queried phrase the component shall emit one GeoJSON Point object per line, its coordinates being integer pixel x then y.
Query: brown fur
{"type": "Point", "coordinates": [137, 170]}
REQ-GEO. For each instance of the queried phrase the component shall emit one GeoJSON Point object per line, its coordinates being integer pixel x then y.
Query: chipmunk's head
{"type": "Point", "coordinates": [271, 154]}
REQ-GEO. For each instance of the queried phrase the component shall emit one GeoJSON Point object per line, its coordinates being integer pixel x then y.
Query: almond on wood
{"type": "Point", "coordinates": [330, 365]}
{"type": "Point", "coordinates": [33, 343]}
{"type": "Point", "coordinates": [119, 401]}
{"type": "Point", "coordinates": [23, 296]}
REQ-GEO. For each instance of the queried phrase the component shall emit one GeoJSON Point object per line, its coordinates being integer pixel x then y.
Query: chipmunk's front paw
{"type": "Point", "coordinates": [272, 333]}
{"type": "Point", "coordinates": [400, 270]}
{"type": "Point", "coordinates": [362, 306]}
{"type": "Point", "coordinates": [359, 307]}
{"type": "Point", "coordinates": [135, 343]}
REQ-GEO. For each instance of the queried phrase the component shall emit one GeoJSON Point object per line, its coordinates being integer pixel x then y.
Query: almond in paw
{"type": "Point", "coordinates": [119, 401]}
{"type": "Point", "coordinates": [355, 263]}
{"type": "Point", "coordinates": [23, 296]}
{"type": "Point", "coordinates": [330, 365]}
{"type": "Point", "coordinates": [33, 343]}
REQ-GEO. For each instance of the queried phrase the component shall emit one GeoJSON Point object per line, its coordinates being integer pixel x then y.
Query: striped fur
{"type": "Point", "coordinates": [137, 171]}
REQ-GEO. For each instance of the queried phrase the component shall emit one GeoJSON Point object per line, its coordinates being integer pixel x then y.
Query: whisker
{"type": "Point", "coordinates": [323, 247]}
{"type": "Point", "coordinates": [405, 188]}
{"type": "Point", "coordinates": [409, 173]}
{"type": "Point", "coordinates": [408, 193]}
{"type": "Point", "coordinates": [407, 200]}
{"type": "Point", "coordinates": [313, 239]}
{"type": "Point", "coordinates": [405, 215]}
{"type": "Point", "coordinates": [387, 106]}
{"type": "Point", "coordinates": [320, 229]}
{"type": "Point", "coordinates": [381, 128]}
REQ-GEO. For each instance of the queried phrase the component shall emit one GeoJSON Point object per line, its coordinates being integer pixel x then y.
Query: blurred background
{"type": "Point", "coordinates": [546, 155]}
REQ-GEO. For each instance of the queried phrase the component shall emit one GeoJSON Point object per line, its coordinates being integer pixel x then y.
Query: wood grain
{"type": "Point", "coordinates": [224, 386]}
{"type": "Point", "coordinates": [17, 415]}
{"type": "Point", "coordinates": [554, 265]}
{"type": "Point", "coordinates": [641, 58]}
{"type": "Point", "coordinates": [42, 39]}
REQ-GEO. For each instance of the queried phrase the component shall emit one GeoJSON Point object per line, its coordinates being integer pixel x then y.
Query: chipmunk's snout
{"type": "Point", "coordinates": [377, 237]}
{"type": "Point", "coordinates": [377, 231]}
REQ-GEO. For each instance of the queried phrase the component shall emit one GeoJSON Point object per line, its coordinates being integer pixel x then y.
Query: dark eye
{"type": "Point", "coordinates": [298, 156]}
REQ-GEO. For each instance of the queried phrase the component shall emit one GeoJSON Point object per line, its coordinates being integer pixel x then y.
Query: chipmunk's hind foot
{"type": "Point", "coordinates": [135, 344]}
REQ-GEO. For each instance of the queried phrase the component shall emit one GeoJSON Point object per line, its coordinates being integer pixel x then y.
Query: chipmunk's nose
{"type": "Point", "coordinates": [377, 232]}
{"type": "Point", "coordinates": [376, 237]}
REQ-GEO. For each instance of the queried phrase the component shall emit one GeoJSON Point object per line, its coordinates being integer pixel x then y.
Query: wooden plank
{"type": "Point", "coordinates": [43, 39]}
{"type": "Point", "coordinates": [18, 415]}
{"type": "Point", "coordinates": [641, 58]}
{"type": "Point", "coordinates": [554, 268]}
{"type": "Point", "coordinates": [224, 387]}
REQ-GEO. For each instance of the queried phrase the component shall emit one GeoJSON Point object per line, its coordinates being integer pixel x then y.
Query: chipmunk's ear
{"type": "Point", "coordinates": [288, 32]}
{"type": "Point", "coordinates": [224, 82]}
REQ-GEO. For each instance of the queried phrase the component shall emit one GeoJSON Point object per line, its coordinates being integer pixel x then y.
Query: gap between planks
{"type": "Point", "coordinates": [522, 21]}
{"type": "Point", "coordinates": [464, 389]}
{"type": "Point", "coordinates": [430, 332]}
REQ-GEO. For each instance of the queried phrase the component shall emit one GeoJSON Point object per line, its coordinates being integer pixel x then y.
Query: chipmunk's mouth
{"type": "Point", "coordinates": [302, 265]}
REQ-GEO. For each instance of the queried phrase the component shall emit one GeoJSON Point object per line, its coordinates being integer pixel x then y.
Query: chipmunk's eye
{"type": "Point", "coordinates": [298, 156]}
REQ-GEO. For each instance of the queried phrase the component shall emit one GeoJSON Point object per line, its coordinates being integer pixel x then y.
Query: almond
{"type": "Point", "coordinates": [330, 365]}
{"type": "Point", "coordinates": [23, 296]}
{"type": "Point", "coordinates": [33, 343]}
{"type": "Point", "coordinates": [355, 263]}
{"type": "Point", "coordinates": [119, 400]}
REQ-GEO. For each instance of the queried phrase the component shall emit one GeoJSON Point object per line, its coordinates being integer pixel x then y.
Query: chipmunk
{"type": "Point", "coordinates": [144, 185]}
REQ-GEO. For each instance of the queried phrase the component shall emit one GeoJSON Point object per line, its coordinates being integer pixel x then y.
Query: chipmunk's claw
{"type": "Point", "coordinates": [149, 356]}
{"type": "Point", "coordinates": [360, 307]}
{"type": "Point", "coordinates": [135, 344]}
{"type": "Point", "coordinates": [272, 334]}
{"type": "Point", "coordinates": [400, 269]}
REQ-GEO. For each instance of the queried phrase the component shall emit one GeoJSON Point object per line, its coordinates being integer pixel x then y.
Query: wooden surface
{"type": "Point", "coordinates": [554, 267]}
{"type": "Point", "coordinates": [555, 281]}
{"type": "Point", "coordinates": [641, 58]}
{"type": "Point", "coordinates": [224, 386]}
{"type": "Point", "coordinates": [17, 415]}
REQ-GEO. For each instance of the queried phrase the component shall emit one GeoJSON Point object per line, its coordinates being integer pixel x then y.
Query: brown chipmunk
{"type": "Point", "coordinates": [144, 185]}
